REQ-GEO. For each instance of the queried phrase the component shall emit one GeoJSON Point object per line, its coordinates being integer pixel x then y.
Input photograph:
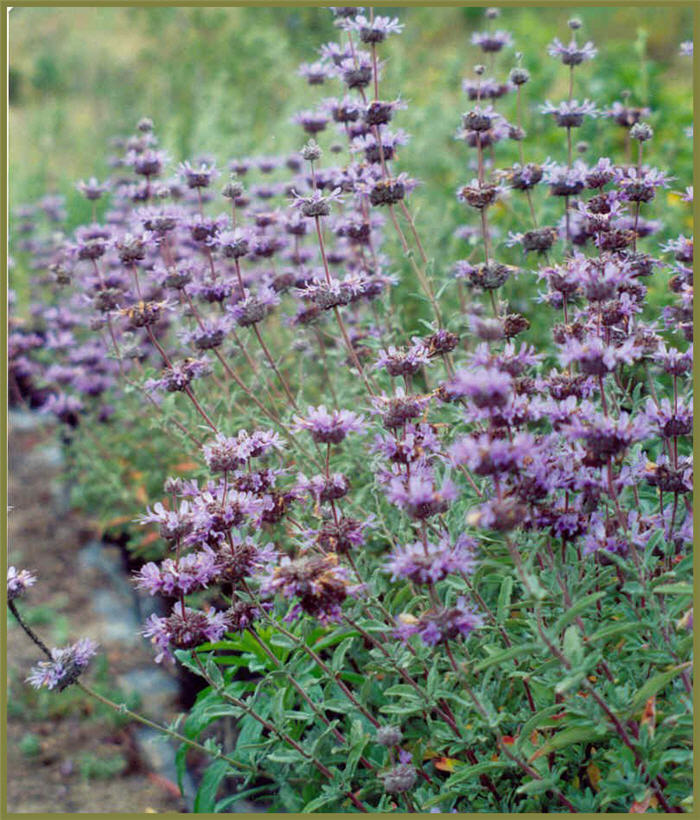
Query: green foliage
{"type": "Point", "coordinates": [578, 658]}
{"type": "Point", "coordinates": [100, 768]}
{"type": "Point", "coordinates": [30, 745]}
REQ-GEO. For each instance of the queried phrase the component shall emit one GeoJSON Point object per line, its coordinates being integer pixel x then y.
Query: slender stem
{"type": "Point", "coordinates": [121, 708]}
{"type": "Point", "coordinates": [340, 737]}
{"type": "Point", "coordinates": [273, 365]}
{"type": "Point", "coordinates": [28, 630]}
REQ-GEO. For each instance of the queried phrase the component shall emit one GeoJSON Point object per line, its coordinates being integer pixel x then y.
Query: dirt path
{"type": "Point", "coordinates": [64, 754]}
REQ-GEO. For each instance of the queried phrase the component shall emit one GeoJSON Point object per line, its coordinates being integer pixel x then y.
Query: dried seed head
{"type": "Point", "coordinates": [233, 190]}
{"type": "Point", "coordinates": [311, 151]}
{"type": "Point", "coordinates": [389, 736]}
{"type": "Point", "coordinates": [641, 131]}
{"type": "Point", "coordinates": [519, 76]}
{"type": "Point", "coordinates": [399, 779]}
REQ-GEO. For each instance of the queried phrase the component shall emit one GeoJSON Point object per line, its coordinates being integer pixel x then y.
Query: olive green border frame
{"type": "Point", "coordinates": [4, 42]}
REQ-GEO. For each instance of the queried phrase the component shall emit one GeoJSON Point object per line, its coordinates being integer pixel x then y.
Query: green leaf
{"type": "Point", "coordinates": [586, 604]}
{"type": "Point", "coordinates": [338, 658]}
{"type": "Point", "coordinates": [180, 766]}
{"type": "Point", "coordinates": [569, 682]}
{"type": "Point", "coordinates": [465, 773]}
{"type": "Point", "coordinates": [567, 737]}
{"type": "Point", "coordinates": [612, 631]}
{"type": "Point", "coordinates": [505, 655]}
{"type": "Point", "coordinates": [679, 588]}
{"type": "Point", "coordinates": [205, 800]}
{"type": "Point", "coordinates": [504, 597]}
{"type": "Point", "coordinates": [537, 720]}
{"type": "Point", "coordinates": [537, 590]}
{"type": "Point", "coordinates": [537, 786]}
{"type": "Point", "coordinates": [328, 796]}
{"type": "Point", "coordinates": [652, 686]}
{"type": "Point", "coordinates": [573, 646]}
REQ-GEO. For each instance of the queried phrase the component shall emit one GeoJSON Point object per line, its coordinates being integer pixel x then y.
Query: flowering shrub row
{"type": "Point", "coordinates": [438, 569]}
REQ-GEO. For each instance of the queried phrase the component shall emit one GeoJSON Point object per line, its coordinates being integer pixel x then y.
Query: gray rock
{"type": "Point", "coordinates": [21, 421]}
{"type": "Point", "coordinates": [159, 753]}
{"type": "Point", "coordinates": [117, 614]}
{"type": "Point", "coordinates": [155, 688]}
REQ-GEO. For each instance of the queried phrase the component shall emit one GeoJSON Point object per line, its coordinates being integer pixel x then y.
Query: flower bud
{"type": "Point", "coordinates": [641, 131]}
{"type": "Point", "coordinates": [389, 736]}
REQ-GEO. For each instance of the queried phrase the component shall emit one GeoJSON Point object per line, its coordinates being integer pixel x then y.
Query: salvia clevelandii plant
{"type": "Point", "coordinates": [433, 567]}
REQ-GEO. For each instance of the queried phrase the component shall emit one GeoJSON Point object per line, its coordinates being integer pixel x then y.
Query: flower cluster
{"type": "Point", "coordinates": [463, 474]}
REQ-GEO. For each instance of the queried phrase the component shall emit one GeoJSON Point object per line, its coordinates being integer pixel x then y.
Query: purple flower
{"type": "Point", "coordinates": [313, 122]}
{"type": "Point", "coordinates": [173, 524]}
{"type": "Point", "coordinates": [373, 31]}
{"type": "Point", "coordinates": [570, 113]}
{"type": "Point", "coordinates": [329, 427]}
{"type": "Point", "coordinates": [357, 71]}
{"type": "Point", "coordinates": [242, 558]}
{"type": "Point", "coordinates": [18, 582]}
{"type": "Point", "coordinates": [487, 456]}
{"type": "Point", "coordinates": [226, 453]}
{"type": "Point", "coordinates": [418, 495]}
{"type": "Point", "coordinates": [319, 584]}
{"type": "Point", "coordinates": [342, 536]}
{"type": "Point", "coordinates": [604, 436]}
{"type": "Point", "coordinates": [148, 163]}
{"type": "Point", "coordinates": [315, 73]}
{"type": "Point", "coordinates": [252, 309]}
{"type": "Point", "coordinates": [595, 357]}
{"type": "Point", "coordinates": [65, 408]}
{"type": "Point", "coordinates": [626, 115]}
{"type": "Point", "coordinates": [485, 88]}
{"type": "Point", "coordinates": [604, 535]}
{"type": "Point", "coordinates": [430, 563]}
{"type": "Point", "coordinates": [396, 410]}
{"type": "Point", "coordinates": [565, 181]}
{"type": "Point", "coordinates": [440, 625]}
{"type": "Point", "coordinates": [681, 248]}
{"type": "Point", "coordinates": [317, 204]}
{"type": "Point", "coordinates": [485, 387]}
{"type": "Point", "coordinates": [601, 173]}
{"type": "Point", "coordinates": [415, 442]}
{"type": "Point", "coordinates": [673, 361]}
{"type": "Point", "coordinates": [324, 488]}
{"type": "Point", "coordinates": [198, 176]}
{"type": "Point", "coordinates": [179, 376]}
{"type": "Point", "coordinates": [92, 189]}
{"type": "Point", "coordinates": [184, 628]}
{"type": "Point", "coordinates": [183, 575]}
{"type": "Point", "coordinates": [668, 421]}
{"type": "Point", "coordinates": [388, 140]}
{"type": "Point", "coordinates": [492, 41]}
{"type": "Point", "coordinates": [233, 244]}
{"type": "Point", "coordinates": [65, 667]}
{"type": "Point", "coordinates": [636, 186]}
{"type": "Point", "coordinates": [573, 53]}
{"type": "Point", "coordinates": [404, 362]}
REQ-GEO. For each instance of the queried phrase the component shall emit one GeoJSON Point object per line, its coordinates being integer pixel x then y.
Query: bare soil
{"type": "Point", "coordinates": [64, 754]}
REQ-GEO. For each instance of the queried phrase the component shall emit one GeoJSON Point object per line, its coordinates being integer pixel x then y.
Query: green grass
{"type": "Point", "coordinates": [224, 82]}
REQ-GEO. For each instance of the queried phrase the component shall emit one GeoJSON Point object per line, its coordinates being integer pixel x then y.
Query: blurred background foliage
{"type": "Point", "coordinates": [223, 82]}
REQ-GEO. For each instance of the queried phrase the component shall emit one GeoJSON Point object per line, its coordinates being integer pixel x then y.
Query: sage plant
{"type": "Point", "coordinates": [440, 567]}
